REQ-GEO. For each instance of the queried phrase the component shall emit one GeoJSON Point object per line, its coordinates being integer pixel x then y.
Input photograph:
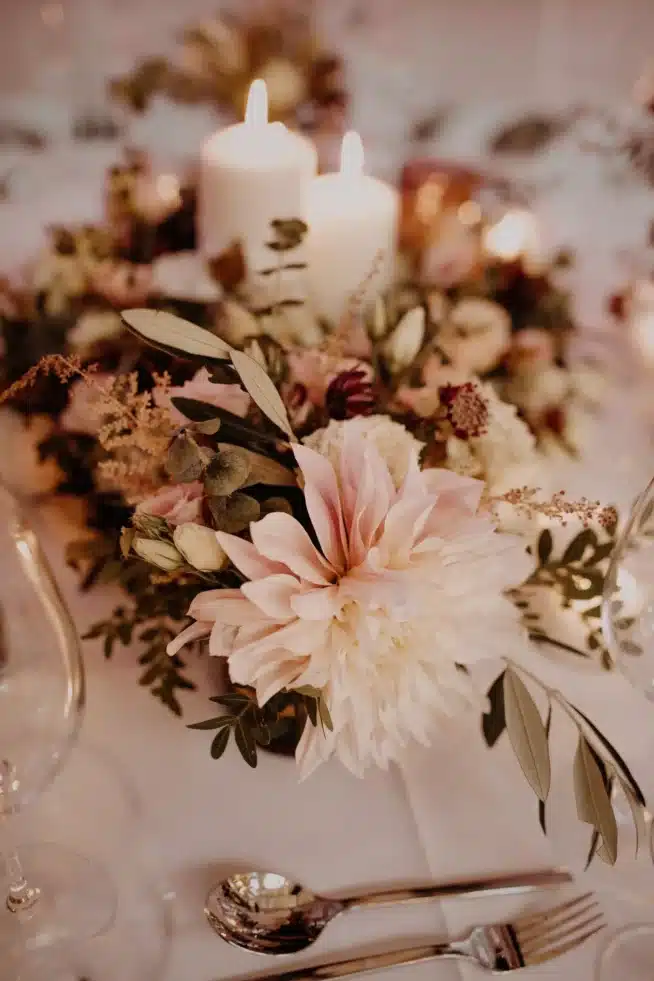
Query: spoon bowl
{"type": "Point", "coordinates": [266, 913]}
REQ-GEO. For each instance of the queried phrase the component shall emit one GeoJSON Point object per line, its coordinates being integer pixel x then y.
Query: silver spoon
{"type": "Point", "coordinates": [268, 914]}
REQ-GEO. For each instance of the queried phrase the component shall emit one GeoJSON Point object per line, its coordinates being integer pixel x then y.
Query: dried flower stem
{"type": "Point", "coordinates": [558, 507]}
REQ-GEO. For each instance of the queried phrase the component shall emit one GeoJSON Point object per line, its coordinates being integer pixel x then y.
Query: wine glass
{"type": "Point", "coordinates": [628, 624]}
{"type": "Point", "coordinates": [52, 895]}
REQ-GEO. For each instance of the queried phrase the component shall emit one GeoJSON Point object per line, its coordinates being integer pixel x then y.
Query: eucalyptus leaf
{"type": "Point", "coordinates": [219, 744]}
{"type": "Point", "coordinates": [493, 722]}
{"type": "Point", "coordinates": [274, 504]}
{"type": "Point", "coordinates": [184, 461]}
{"type": "Point", "coordinates": [264, 470]}
{"type": "Point", "coordinates": [592, 797]}
{"type": "Point", "coordinates": [208, 428]}
{"type": "Point", "coordinates": [235, 513]}
{"type": "Point", "coordinates": [527, 734]}
{"type": "Point", "coordinates": [165, 330]}
{"type": "Point", "coordinates": [226, 471]}
{"type": "Point", "coordinates": [258, 384]}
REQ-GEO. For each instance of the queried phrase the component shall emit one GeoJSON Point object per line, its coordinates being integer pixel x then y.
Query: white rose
{"type": "Point", "coordinates": [394, 443]}
{"type": "Point", "coordinates": [184, 276]}
{"type": "Point", "coordinates": [163, 555]}
{"type": "Point", "coordinates": [403, 345]}
{"type": "Point", "coordinates": [505, 455]}
{"type": "Point", "coordinates": [476, 335]}
{"type": "Point", "coordinates": [98, 325]}
{"type": "Point", "coordinates": [199, 546]}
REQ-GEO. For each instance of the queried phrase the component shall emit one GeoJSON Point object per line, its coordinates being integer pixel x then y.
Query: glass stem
{"type": "Point", "coordinates": [21, 896]}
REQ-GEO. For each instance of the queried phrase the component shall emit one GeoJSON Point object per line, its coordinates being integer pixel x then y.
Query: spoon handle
{"type": "Point", "coordinates": [506, 885]}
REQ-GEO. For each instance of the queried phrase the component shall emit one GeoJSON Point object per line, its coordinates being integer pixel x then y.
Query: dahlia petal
{"type": "Point", "coordinates": [374, 498]}
{"type": "Point", "coordinates": [193, 632]}
{"type": "Point", "coordinates": [316, 604]}
{"type": "Point", "coordinates": [298, 637]}
{"type": "Point", "coordinates": [222, 639]}
{"type": "Point", "coordinates": [454, 490]}
{"type": "Point", "coordinates": [229, 606]}
{"type": "Point", "coordinates": [274, 679]}
{"type": "Point", "coordinates": [313, 749]}
{"type": "Point", "coordinates": [272, 595]}
{"type": "Point", "coordinates": [247, 559]}
{"type": "Point", "coordinates": [282, 539]}
{"type": "Point", "coordinates": [323, 502]}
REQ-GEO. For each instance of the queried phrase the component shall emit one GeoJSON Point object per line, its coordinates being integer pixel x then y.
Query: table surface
{"type": "Point", "coordinates": [445, 813]}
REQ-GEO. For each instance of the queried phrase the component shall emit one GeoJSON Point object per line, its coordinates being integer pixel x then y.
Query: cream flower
{"type": "Point", "coordinates": [95, 326]}
{"type": "Point", "coordinates": [476, 335]}
{"type": "Point", "coordinates": [504, 455]}
{"type": "Point", "coordinates": [178, 503]}
{"type": "Point", "coordinates": [393, 442]}
{"type": "Point", "coordinates": [81, 415]}
{"type": "Point", "coordinates": [406, 585]}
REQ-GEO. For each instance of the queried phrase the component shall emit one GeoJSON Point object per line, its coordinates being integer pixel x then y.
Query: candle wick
{"type": "Point", "coordinates": [256, 110]}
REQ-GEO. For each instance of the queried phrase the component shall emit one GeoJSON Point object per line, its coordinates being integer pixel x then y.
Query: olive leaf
{"type": "Point", "coordinates": [258, 384]}
{"type": "Point", "coordinates": [325, 715]}
{"type": "Point", "coordinates": [527, 734]}
{"type": "Point", "coordinates": [493, 722]}
{"type": "Point", "coordinates": [226, 471]}
{"type": "Point", "coordinates": [577, 547]}
{"type": "Point", "coordinates": [219, 744]}
{"type": "Point", "coordinates": [169, 332]}
{"type": "Point", "coordinates": [541, 803]}
{"type": "Point", "coordinates": [217, 723]}
{"type": "Point", "coordinates": [607, 751]}
{"type": "Point", "coordinates": [636, 813]}
{"type": "Point", "coordinates": [545, 545]}
{"type": "Point", "coordinates": [194, 409]}
{"type": "Point", "coordinates": [184, 461]}
{"type": "Point", "coordinates": [235, 513]}
{"type": "Point", "coordinates": [245, 743]}
{"type": "Point", "coordinates": [593, 800]}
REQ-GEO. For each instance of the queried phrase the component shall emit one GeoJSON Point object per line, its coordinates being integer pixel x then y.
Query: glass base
{"type": "Point", "coordinates": [628, 954]}
{"type": "Point", "coordinates": [77, 901]}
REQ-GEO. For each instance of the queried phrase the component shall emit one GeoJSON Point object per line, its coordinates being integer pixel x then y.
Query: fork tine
{"type": "Point", "coordinates": [546, 916]}
{"type": "Point", "coordinates": [552, 952]}
{"type": "Point", "coordinates": [563, 933]}
{"type": "Point", "coordinates": [548, 924]}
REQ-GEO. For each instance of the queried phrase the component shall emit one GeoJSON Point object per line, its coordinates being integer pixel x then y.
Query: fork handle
{"type": "Point", "coordinates": [365, 965]}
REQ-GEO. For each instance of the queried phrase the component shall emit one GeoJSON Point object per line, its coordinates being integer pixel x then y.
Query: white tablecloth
{"type": "Point", "coordinates": [456, 810]}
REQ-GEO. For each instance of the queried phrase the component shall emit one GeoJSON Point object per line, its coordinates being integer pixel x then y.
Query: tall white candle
{"type": "Point", "coordinates": [250, 174]}
{"type": "Point", "coordinates": [352, 232]}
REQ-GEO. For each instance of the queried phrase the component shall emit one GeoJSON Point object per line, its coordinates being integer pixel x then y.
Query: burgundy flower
{"type": "Point", "coordinates": [350, 394]}
{"type": "Point", "coordinates": [467, 410]}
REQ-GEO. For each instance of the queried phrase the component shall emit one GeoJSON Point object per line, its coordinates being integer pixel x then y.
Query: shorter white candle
{"type": "Point", "coordinates": [352, 234]}
{"type": "Point", "coordinates": [250, 174]}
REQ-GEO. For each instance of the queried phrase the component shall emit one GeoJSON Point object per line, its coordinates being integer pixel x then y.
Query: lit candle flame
{"type": "Point", "coordinates": [256, 110]}
{"type": "Point", "coordinates": [351, 154]}
{"type": "Point", "coordinates": [513, 235]}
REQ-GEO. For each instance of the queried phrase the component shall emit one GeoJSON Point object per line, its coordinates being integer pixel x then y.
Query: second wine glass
{"type": "Point", "coordinates": [52, 895]}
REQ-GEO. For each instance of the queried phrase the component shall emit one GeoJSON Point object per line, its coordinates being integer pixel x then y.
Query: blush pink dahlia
{"type": "Point", "coordinates": [403, 586]}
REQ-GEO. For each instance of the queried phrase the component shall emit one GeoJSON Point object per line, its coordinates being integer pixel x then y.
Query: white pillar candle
{"type": "Point", "coordinates": [250, 174]}
{"type": "Point", "coordinates": [352, 234]}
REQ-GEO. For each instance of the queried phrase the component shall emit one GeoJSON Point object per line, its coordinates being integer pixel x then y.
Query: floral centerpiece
{"type": "Point", "coordinates": [327, 549]}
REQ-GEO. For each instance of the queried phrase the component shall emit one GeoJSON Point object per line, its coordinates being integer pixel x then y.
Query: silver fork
{"type": "Point", "coordinates": [498, 948]}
